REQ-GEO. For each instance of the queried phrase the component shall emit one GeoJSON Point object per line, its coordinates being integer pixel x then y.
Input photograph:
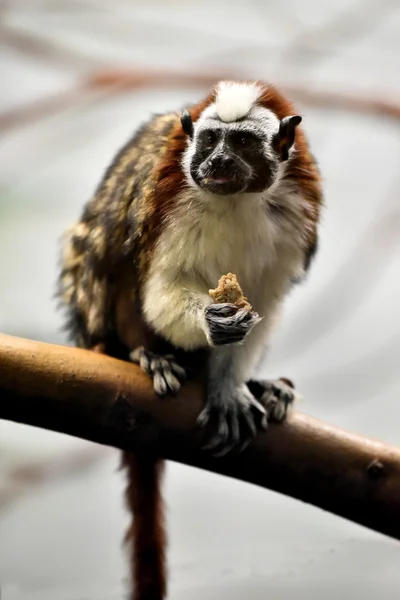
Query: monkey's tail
{"type": "Point", "coordinates": [146, 535]}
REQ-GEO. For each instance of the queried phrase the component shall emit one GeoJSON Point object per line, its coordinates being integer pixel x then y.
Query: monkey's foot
{"type": "Point", "coordinates": [163, 369]}
{"type": "Point", "coordinates": [276, 395]}
{"type": "Point", "coordinates": [233, 419]}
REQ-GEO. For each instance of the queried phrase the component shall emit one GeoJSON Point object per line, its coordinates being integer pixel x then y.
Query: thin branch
{"type": "Point", "coordinates": [43, 49]}
{"type": "Point", "coordinates": [105, 83]}
{"type": "Point", "coordinates": [315, 43]}
{"type": "Point", "coordinates": [111, 402]}
{"type": "Point", "coordinates": [98, 86]}
{"type": "Point", "coordinates": [368, 105]}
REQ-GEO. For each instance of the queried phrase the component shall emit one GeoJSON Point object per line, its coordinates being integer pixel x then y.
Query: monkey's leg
{"type": "Point", "coordinates": [163, 369]}
{"type": "Point", "coordinates": [232, 414]}
{"type": "Point", "coordinates": [276, 395]}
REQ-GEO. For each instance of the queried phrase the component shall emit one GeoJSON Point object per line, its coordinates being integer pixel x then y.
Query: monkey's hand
{"type": "Point", "coordinates": [232, 417]}
{"type": "Point", "coordinates": [226, 324]}
{"type": "Point", "coordinates": [276, 395]}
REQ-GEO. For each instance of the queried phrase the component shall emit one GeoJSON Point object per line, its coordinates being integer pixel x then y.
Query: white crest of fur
{"type": "Point", "coordinates": [234, 100]}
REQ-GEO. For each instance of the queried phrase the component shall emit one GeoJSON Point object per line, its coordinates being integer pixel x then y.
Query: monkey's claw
{"type": "Point", "coordinates": [233, 421]}
{"type": "Point", "coordinates": [163, 369]}
{"type": "Point", "coordinates": [276, 395]}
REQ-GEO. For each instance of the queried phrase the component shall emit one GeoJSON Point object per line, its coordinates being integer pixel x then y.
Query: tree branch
{"type": "Point", "coordinates": [105, 83]}
{"type": "Point", "coordinates": [111, 402]}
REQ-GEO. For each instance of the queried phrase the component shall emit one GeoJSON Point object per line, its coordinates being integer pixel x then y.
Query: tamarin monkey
{"type": "Point", "coordinates": [227, 185]}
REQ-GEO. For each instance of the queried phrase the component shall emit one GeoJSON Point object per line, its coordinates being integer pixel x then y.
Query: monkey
{"type": "Point", "coordinates": [225, 185]}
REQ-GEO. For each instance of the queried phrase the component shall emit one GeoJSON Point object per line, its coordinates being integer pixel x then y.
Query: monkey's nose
{"type": "Point", "coordinates": [227, 162]}
{"type": "Point", "coordinates": [221, 162]}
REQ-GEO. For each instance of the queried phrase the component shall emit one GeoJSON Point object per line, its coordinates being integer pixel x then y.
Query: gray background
{"type": "Point", "coordinates": [61, 510]}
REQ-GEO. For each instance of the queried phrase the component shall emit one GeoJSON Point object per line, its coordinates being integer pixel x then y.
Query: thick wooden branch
{"type": "Point", "coordinates": [111, 402]}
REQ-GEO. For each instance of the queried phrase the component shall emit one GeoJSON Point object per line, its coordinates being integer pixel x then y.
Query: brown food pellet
{"type": "Point", "coordinates": [229, 290]}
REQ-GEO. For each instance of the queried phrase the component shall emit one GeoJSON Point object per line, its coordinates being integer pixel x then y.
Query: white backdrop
{"type": "Point", "coordinates": [62, 518]}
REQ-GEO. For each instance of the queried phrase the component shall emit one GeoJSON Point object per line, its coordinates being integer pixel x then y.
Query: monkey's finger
{"type": "Point", "coordinates": [263, 423]}
{"type": "Point", "coordinates": [235, 427]}
{"type": "Point", "coordinates": [280, 410]}
{"type": "Point", "coordinates": [173, 382]}
{"type": "Point", "coordinates": [203, 417]}
{"type": "Point", "coordinates": [220, 436]}
{"type": "Point", "coordinates": [257, 406]}
{"type": "Point", "coordinates": [248, 423]}
{"type": "Point", "coordinates": [222, 309]}
{"type": "Point", "coordinates": [178, 370]}
{"type": "Point", "coordinates": [245, 442]}
{"type": "Point", "coordinates": [259, 418]}
{"type": "Point", "coordinates": [248, 430]}
{"type": "Point", "coordinates": [136, 354]}
{"type": "Point", "coordinates": [216, 442]}
{"type": "Point", "coordinates": [210, 418]}
{"type": "Point", "coordinates": [159, 384]}
{"type": "Point", "coordinates": [227, 448]}
{"type": "Point", "coordinates": [146, 364]}
{"type": "Point", "coordinates": [216, 446]}
{"type": "Point", "coordinates": [234, 433]}
{"type": "Point", "coordinates": [164, 364]}
{"type": "Point", "coordinates": [230, 442]}
{"type": "Point", "coordinates": [283, 406]}
{"type": "Point", "coordinates": [248, 320]}
{"type": "Point", "coordinates": [236, 338]}
{"type": "Point", "coordinates": [241, 441]}
{"type": "Point", "coordinates": [243, 314]}
{"type": "Point", "coordinates": [173, 365]}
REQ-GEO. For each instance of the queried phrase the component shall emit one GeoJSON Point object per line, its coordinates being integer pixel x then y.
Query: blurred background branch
{"type": "Point", "coordinates": [307, 47]}
{"type": "Point", "coordinates": [100, 85]}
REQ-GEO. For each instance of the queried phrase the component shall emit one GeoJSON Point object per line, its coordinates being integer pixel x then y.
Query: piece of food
{"type": "Point", "coordinates": [229, 290]}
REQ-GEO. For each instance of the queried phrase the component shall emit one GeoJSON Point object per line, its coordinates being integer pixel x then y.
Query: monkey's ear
{"type": "Point", "coordinates": [187, 123]}
{"type": "Point", "coordinates": [286, 134]}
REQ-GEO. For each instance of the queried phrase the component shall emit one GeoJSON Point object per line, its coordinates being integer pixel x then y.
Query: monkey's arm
{"type": "Point", "coordinates": [175, 308]}
{"type": "Point", "coordinates": [183, 313]}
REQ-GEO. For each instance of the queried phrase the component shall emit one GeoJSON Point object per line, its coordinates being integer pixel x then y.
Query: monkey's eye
{"type": "Point", "coordinates": [246, 140]}
{"type": "Point", "coordinates": [210, 138]}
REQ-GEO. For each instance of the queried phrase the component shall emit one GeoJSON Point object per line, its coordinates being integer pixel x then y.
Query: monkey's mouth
{"type": "Point", "coordinates": [223, 183]}
{"type": "Point", "coordinates": [218, 180]}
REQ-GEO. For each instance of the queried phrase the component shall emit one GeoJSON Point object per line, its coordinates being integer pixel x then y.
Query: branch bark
{"type": "Point", "coordinates": [111, 402]}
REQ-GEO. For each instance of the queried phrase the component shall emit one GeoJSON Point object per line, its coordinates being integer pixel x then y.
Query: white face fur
{"type": "Point", "coordinates": [231, 149]}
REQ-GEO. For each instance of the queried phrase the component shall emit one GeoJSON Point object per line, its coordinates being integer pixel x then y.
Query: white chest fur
{"type": "Point", "coordinates": [205, 239]}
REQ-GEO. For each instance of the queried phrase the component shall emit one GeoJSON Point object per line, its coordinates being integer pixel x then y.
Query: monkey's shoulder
{"type": "Point", "coordinates": [133, 166]}
{"type": "Point", "coordinates": [115, 218]}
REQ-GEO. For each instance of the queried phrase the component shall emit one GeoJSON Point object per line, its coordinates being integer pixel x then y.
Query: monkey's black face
{"type": "Point", "coordinates": [231, 162]}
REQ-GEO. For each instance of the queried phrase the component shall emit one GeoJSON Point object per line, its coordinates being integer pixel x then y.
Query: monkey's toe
{"type": "Point", "coordinates": [276, 395]}
{"type": "Point", "coordinates": [165, 372]}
